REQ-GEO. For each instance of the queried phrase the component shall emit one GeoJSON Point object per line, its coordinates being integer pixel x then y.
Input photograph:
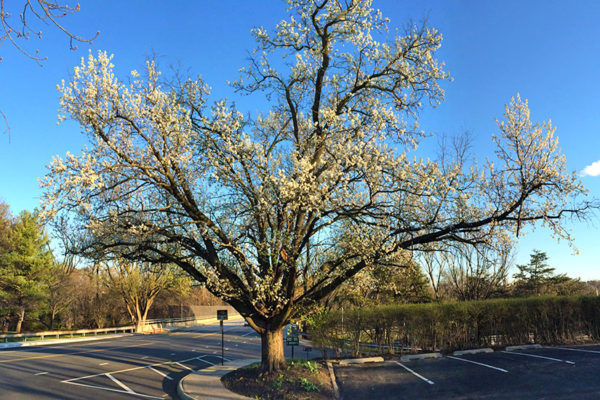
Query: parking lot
{"type": "Point", "coordinates": [569, 372]}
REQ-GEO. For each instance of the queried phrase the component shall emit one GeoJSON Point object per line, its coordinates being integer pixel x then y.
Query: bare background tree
{"type": "Point", "coordinates": [478, 272]}
{"type": "Point", "coordinates": [19, 25]}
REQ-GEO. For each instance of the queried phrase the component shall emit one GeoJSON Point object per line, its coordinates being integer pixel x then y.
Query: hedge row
{"type": "Point", "coordinates": [453, 326]}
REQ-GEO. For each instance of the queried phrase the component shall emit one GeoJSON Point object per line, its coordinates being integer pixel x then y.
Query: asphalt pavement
{"type": "Point", "coordinates": [142, 366]}
{"type": "Point", "coordinates": [557, 373]}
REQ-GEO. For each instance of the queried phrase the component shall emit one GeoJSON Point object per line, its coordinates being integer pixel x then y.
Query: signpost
{"type": "Point", "coordinates": [307, 350]}
{"type": "Point", "coordinates": [222, 316]}
{"type": "Point", "coordinates": [292, 340]}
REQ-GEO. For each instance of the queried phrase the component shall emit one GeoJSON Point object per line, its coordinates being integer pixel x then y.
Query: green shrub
{"type": "Point", "coordinates": [452, 326]}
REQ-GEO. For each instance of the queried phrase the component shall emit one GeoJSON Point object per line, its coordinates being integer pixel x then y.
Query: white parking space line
{"type": "Point", "coordinates": [478, 363]}
{"type": "Point", "coordinates": [249, 333]}
{"type": "Point", "coordinates": [536, 356]}
{"type": "Point", "coordinates": [118, 382]}
{"type": "Point", "coordinates": [567, 348]}
{"type": "Point", "coordinates": [183, 366]}
{"type": "Point", "coordinates": [41, 373]}
{"type": "Point", "coordinates": [159, 372]}
{"type": "Point", "coordinates": [208, 362]}
{"type": "Point", "coordinates": [104, 363]}
{"type": "Point", "coordinates": [414, 373]}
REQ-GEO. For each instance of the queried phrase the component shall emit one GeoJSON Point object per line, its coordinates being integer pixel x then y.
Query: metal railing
{"type": "Point", "coordinates": [154, 325]}
{"type": "Point", "coordinates": [58, 334]}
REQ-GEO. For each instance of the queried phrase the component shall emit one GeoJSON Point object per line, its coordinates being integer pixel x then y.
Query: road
{"type": "Point", "coordinates": [136, 366]}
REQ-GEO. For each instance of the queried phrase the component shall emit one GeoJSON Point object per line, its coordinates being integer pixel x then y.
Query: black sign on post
{"type": "Point", "coordinates": [221, 315]}
{"type": "Point", "coordinates": [307, 350]}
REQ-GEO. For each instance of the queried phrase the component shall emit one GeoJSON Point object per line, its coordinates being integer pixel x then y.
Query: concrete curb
{"type": "Point", "coordinates": [336, 390]}
{"type": "Point", "coordinates": [523, 347]}
{"type": "Point", "coordinates": [411, 357]}
{"type": "Point", "coordinates": [48, 342]}
{"type": "Point", "coordinates": [206, 383]}
{"type": "Point", "coordinates": [181, 393]}
{"type": "Point", "coordinates": [472, 351]}
{"type": "Point", "coordinates": [349, 361]}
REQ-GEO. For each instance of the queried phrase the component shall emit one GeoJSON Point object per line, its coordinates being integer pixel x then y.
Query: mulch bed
{"type": "Point", "coordinates": [300, 379]}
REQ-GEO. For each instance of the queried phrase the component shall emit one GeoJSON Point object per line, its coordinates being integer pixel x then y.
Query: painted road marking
{"type": "Point", "coordinates": [215, 333]}
{"type": "Point", "coordinates": [478, 363]}
{"type": "Point", "coordinates": [183, 366]}
{"type": "Point", "coordinates": [41, 373]}
{"type": "Point", "coordinates": [208, 362]}
{"type": "Point", "coordinates": [567, 348]}
{"type": "Point", "coordinates": [143, 358]}
{"type": "Point", "coordinates": [130, 369]}
{"type": "Point", "coordinates": [249, 333]}
{"type": "Point", "coordinates": [414, 373]}
{"type": "Point", "coordinates": [115, 390]}
{"type": "Point", "coordinates": [118, 382]}
{"type": "Point", "coordinates": [103, 363]}
{"type": "Point", "coordinates": [172, 354]}
{"type": "Point", "coordinates": [72, 354]}
{"type": "Point", "coordinates": [536, 356]}
{"type": "Point", "coordinates": [159, 372]}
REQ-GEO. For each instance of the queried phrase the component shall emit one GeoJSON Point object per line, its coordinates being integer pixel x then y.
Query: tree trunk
{"type": "Point", "coordinates": [272, 350]}
{"type": "Point", "coordinates": [53, 318]}
{"type": "Point", "coordinates": [139, 320]}
{"type": "Point", "coordinates": [20, 321]}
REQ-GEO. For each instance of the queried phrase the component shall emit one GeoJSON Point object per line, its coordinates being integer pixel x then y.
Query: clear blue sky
{"type": "Point", "coordinates": [548, 51]}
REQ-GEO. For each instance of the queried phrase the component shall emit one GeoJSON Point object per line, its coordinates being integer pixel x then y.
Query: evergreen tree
{"type": "Point", "coordinates": [538, 278]}
{"type": "Point", "coordinates": [25, 267]}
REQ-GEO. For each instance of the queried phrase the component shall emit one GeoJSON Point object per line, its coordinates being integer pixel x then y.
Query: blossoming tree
{"type": "Point", "coordinates": [273, 213]}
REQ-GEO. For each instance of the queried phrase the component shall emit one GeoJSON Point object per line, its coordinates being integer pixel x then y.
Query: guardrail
{"type": "Point", "coordinates": [150, 325]}
{"type": "Point", "coordinates": [157, 325]}
{"type": "Point", "coordinates": [58, 334]}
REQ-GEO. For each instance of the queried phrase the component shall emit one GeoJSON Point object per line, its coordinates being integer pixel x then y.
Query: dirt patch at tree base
{"type": "Point", "coordinates": [300, 379]}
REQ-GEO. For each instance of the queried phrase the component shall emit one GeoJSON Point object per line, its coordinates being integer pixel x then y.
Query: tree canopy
{"type": "Point", "coordinates": [26, 266]}
{"type": "Point", "coordinates": [273, 212]}
{"type": "Point", "coordinates": [538, 278]}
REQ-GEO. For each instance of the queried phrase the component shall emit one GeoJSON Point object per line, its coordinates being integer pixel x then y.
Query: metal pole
{"type": "Point", "coordinates": [222, 343]}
